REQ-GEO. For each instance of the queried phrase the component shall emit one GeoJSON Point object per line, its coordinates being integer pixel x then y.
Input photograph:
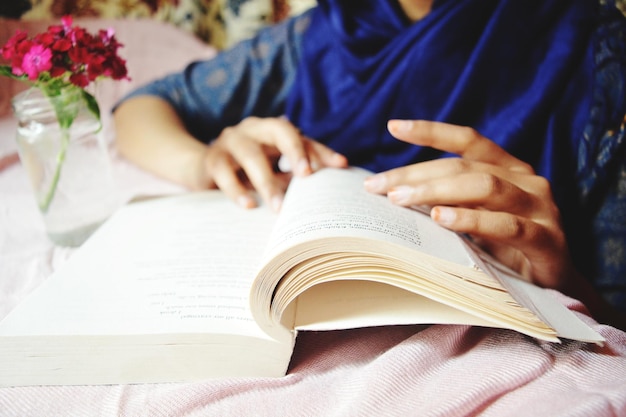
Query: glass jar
{"type": "Point", "coordinates": [68, 166]}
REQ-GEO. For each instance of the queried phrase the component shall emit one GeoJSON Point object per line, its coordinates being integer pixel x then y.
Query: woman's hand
{"type": "Point", "coordinates": [486, 193]}
{"type": "Point", "coordinates": [246, 157]}
{"type": "Point", "coordinates": [243, 158]}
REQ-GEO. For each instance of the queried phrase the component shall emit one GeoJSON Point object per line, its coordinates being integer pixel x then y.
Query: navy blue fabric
{"type": "Point", "coordinates": [504, 67]}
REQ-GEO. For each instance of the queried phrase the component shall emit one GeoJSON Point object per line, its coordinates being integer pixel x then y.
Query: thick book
{"type": "Point", "coordinates": [188, 287]}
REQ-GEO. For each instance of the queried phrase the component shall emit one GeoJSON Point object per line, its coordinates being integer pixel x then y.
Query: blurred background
{"type": "Point", "coordinates": [220, 23]}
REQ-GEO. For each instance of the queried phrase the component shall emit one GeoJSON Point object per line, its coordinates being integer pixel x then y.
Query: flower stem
{"type": "Point", "coordinates": [66, 100]}
{"type": "Point", "coordinates": [44, 204]}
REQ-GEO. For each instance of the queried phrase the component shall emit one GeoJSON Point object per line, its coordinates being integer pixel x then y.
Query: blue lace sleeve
{"type": "Point", "coordinates": [602, 159]}
{"type": "Point", "coordinates": [252, 78]}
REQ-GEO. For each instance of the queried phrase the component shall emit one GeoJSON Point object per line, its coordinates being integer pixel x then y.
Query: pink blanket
{"type": "Point", "coordinates": [392, 371]}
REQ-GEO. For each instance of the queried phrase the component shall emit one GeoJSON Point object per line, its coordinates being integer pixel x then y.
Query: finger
{"type": "Point", "coordinates": [253, 160]}
{"type": "Point", "coordinates": [321, 155]}
{"type": "Point", "coordinates": [421, 172]}
{"type": "Point", "coordinates": [460, 140]}
{"type": "Point", "coordinates": [499, 226]}
{"type": "Point", "coordinates": [476, 189]}
{"type": "Point", "coordinates": [224, 173]}
{"type": "Point", "coordinates": [425, 171]}
{"type": "Point", "coordinates": [280, 133]}
{"type": "Point", "coordinates": [539, 244]}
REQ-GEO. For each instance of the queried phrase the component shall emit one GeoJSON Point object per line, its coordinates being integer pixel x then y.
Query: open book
{"type": "Point", "coordinates": [191, 286]}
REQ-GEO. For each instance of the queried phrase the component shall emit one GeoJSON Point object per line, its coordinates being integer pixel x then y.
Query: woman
{"type": "Point", "coordinates": [505, 116]}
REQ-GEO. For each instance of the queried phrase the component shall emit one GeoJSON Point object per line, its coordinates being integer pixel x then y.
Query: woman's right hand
{"type": "Point", "coordinates": [246, 156]}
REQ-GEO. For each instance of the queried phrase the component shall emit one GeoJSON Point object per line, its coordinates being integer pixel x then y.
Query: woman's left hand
{"type": "Point", "coordinates": [486, 193]}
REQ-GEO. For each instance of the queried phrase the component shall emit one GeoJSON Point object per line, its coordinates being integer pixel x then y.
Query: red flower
{"type": "Point", "coordinates": [10, 48]}
{"type": "Point", "coordinates": [79, 80]}
{"type": "Point", "coordinates": [61, 45]}
{"type": "Point", "coordinates": [65, 53]}
{"type": "Point", "coordinates": [45, 39]}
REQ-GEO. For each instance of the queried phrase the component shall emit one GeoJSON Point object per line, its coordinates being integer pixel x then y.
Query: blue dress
{"type": "Point", "coordinates": [544, 79]}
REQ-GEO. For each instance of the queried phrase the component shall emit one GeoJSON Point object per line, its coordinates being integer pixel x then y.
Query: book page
{"type": "Point", "coordinates": [334, 202]}
{"type": "Point", "coordinates": [181, 264]}
{"type": "Point", "coordinates": [563, 320]}
{"type": "Point", "coordinates": [349, 304]}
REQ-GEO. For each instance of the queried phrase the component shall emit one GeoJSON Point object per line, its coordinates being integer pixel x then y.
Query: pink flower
{"type": "Point", "coordinates": [36, 61]}
{"type": "Point", "coordinates": [67, 22]}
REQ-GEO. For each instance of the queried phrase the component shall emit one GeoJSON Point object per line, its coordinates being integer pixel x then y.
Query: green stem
{"type": "Point", "coordinates": [44, 204]}
{"type": "Point", "coordinates": [66, 101]}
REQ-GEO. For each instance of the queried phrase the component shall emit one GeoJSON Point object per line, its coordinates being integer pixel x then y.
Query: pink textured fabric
{"type": "Point", "coordinates": [390, 371]}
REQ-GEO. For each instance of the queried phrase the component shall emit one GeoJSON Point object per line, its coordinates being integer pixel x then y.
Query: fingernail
{"type": "Point", "coordinates": [303, 167]}
{"type": "Point", "coordinates": [339, 160]}
{"type": "Point", "coordinates": [283, 164]}
{"type": "Point", "coordinates": [276, 202]}
{"type": "Point", "coordinates": [402, 195]}
{"type": "Point", "coordinates": [445, 216]}
{"type": "Point", "coordinates": [376, 184]}
{"type": "Point", "coordinates": [400, 125]}
{"type": "Point", "coordinates": [246, 201]}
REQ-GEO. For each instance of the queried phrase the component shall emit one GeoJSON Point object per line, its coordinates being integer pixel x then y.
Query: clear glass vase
{"type": "Point", "coordinates": [68, 166]}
